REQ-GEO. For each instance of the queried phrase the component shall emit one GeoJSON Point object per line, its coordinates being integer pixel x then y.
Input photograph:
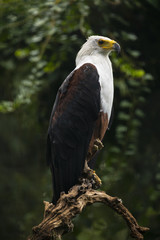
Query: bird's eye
{"type": "Point", "coordinates": [100, 42]}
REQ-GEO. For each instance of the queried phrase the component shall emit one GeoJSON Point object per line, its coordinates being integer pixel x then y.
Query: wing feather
{"type": "Point", "coordinates": [71, 127]}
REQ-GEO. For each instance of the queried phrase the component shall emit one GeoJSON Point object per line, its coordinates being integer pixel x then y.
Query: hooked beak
{"type": "Point", "coordinates": [109, 45]}
{"type": "Point", "coordinates": [116, 47]}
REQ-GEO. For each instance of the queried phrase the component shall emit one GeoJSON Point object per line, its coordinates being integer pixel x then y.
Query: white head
{"type": "Point", "coordinates": [97, 45]}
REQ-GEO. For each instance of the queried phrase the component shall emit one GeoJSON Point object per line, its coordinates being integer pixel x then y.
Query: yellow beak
{"type": "Point", "coordinates": [111, 44]}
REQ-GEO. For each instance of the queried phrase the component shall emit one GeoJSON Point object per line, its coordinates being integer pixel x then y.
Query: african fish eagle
{"type": "Point", "coordinates": [81, 113]}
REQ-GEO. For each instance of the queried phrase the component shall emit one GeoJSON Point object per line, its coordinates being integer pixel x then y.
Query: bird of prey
{"type": "Point", "coordinates": [81, 113]}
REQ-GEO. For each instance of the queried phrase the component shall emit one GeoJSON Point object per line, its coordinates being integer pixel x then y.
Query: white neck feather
{"type": "Point", "coordinates": [104, 68]}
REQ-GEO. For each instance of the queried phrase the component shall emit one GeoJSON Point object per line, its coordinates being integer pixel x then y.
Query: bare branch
{"type": "Point", "coordinates": [58, 219]}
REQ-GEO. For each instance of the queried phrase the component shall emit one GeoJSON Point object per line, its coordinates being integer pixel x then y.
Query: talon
{"type": "Point", "coordinates": [95, 148]}
{"type": "Point", "coordinates": [91, 175]}
{"type": "Point", "coordinates": [98, 143]}
{"type": "Point", "coordinates": [97, 180]}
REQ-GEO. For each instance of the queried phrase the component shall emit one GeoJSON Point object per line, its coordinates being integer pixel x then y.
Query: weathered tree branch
{"type": "Point", "coordinates": [58, 219]}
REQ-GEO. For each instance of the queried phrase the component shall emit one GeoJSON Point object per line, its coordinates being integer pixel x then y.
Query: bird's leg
{"type": "Point", "coordinates": [91, 175]}
{"type": "Point", "coordinates": [97, 146]}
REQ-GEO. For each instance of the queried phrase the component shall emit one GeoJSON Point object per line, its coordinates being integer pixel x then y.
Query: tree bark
{"type": "Point", "coordinates": [58, 219]}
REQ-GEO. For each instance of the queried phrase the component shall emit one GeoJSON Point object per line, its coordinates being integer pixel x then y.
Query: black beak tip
{"type": "Point", "coordinates": [117, 47]}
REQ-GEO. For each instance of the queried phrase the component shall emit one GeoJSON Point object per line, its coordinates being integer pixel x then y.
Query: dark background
{"type": "Point", "coordinates": [39, 41]}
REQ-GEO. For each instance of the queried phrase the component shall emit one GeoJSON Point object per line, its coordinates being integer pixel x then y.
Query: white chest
{"type": "Point", "coordinates": [104, 69]}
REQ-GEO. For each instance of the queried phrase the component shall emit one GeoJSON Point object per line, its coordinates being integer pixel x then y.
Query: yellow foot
{"type": "Point", "coordinates": [96, 178]}
{"type": "Point", "coordinates": [91, 175]}
{"type": "Point", "coordinates": [98, 144]}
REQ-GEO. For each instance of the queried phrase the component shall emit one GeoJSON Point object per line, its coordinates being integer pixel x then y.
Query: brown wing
{"type": "Point", "coordinates": [71, 127]}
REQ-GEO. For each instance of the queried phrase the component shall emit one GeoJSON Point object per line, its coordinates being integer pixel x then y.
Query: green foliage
{"type": "Point", "coordinates": [38, 43]}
